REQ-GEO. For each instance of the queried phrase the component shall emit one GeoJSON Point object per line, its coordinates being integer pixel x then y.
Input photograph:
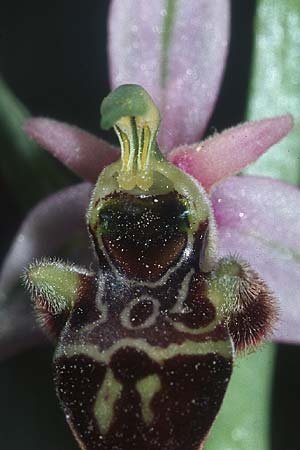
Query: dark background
{"type": "Point", "coordinates": [53, 56]}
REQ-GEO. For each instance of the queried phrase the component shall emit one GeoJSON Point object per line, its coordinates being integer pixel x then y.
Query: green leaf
{"type": "Point", "coordinates": [29, 171]}
{"type": "Point", "coordinates": [275, 83]}
{"type": "Point", "coordinates": [243, 422]}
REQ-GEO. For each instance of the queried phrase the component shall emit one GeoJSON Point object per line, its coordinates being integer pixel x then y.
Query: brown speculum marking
{"type": "Point", "coordinates": [144, 235]}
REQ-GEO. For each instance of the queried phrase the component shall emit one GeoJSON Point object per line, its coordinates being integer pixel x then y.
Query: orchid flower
{"type": "Point", "coordinates": [252, 213]}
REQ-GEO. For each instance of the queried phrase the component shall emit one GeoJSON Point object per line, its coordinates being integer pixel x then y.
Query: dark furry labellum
{"type": "Point", "coordinates": [145, 346]}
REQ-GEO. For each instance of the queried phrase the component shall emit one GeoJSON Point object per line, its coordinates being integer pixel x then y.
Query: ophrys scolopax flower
{"type": "Point", "coordinates": [145, 346]}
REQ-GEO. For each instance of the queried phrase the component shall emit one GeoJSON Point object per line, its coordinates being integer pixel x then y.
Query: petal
{"type": "Point", "coordinates": [176, 51]}
{"type": "Point", "coordinates": [226, 154]}
{"type": "Point", "coordinates": [259, 218]}
{"type": "Point", "coordinates": [82, 152]}
{"type": "Point", "coordinates": [52, 223]}
{"type": "Point", "coordinates": [49, 226]}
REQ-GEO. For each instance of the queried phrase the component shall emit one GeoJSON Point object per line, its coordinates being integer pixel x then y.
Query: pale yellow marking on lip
{"type": "Point", "coordinates": [147, 388]}
{"type": "Point", "coordinates": [182, 293]}
{"type": "Point", "coordinates": [125, 314]}
{"type": "Point", "coordinates": [195, 331]}
{"type": "Point", "coordinates": [157, 354]}
{"type": "Point", "coordinates": [107, 396]}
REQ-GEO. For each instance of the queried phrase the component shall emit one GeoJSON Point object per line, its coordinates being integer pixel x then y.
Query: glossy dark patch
{"type": "Point", "coordinates": [144, 235]}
